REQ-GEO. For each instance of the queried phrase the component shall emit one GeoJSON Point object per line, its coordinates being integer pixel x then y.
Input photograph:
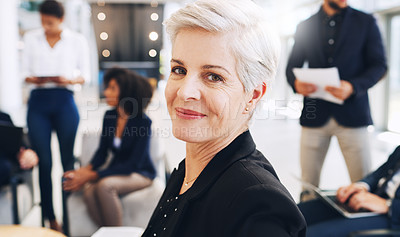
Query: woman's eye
{"type": "Point", "coordinates": [178, 70]}
{"type": "Point", "coordinates": [214, 77]}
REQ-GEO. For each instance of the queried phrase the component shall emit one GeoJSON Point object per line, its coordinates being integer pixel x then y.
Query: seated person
{"type": "Point", "coordinates": [126, 133]}
{"type": "Point", "coordinates": [377, 192]}
{"type": "Point", "coordinates": [26, 157]}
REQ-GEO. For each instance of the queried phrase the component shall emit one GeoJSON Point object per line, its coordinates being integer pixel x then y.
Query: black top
{"type": "Point", "coordinates": [330, 30]}
{"type": "Point", "coordinates": [134, 152]}
{"type": "Point", "coordinates": [5, 119]}
{"type": "Point", "coordinates": [237, 194]}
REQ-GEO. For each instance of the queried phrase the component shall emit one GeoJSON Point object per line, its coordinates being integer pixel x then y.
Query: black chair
{"type": "Point", "coordinates": [20, 177]}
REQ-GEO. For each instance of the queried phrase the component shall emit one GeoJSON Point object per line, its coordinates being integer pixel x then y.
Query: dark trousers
{"type": "Point", "coordinates": [324, 221]}
{"type": "Point", "coordinates": [48, 110]}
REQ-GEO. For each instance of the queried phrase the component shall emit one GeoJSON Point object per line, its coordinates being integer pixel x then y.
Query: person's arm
{"type": "Point", "coordinates": [370, 182]}
{"type": "Point", "coordinates": [84, 61]}
{"type": "Point", "coordinates": [81, 48]}
{"type": "Point", "coordinates": [375, 59]}
{"type": "Point", "coordinates": [27, 158]}
{"type": "Point", "coordinates": [373, 178]}
{"type": "Point", "coordinates": [100, 155]}
{"type": "Point", "coordinates": [27, 59]}
{"type": "Point", "coordinates": [368, 201]}
{"type": "Point", "coordinates": [296, 60]}
{"type": "Point", "coordinates": [75, 179]}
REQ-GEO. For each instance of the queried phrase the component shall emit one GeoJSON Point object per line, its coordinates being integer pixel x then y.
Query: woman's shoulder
{"type": "Point", "coordinates": [110, 112]}
{"type": "Point", "coordinates": [34, 33]}
{"type": "Point", "coordinates": [253, 173]}
{"type": "Point", "coordinates": [142, 120]}
{"type": "Point", "coordinates": [73, 34]}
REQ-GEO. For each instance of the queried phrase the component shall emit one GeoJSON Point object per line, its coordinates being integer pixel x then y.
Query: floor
{"type": "Point", "coordinates": [275, 130]}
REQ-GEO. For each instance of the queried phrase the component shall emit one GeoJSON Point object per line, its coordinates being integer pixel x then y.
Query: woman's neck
{"type": "Point", "coordinates": [198, 155]}
{"type": "Point", "coordinates": [122, 114]}
{"type": "Point", "coordinates": [54, 34]}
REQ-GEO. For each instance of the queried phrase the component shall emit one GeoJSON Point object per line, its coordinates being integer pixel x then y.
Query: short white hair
{"type": "Point", "coordinates": [255, 47]}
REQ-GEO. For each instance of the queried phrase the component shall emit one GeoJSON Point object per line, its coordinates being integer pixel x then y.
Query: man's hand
{"type": "Point", "coordinates": [304, 88]}
{"type": "Point", "coordinates": [344, 193]}
{"type": "Point", "coordinates": [75, 179]}
{"type": "Point", "coordinates": [343, 92]}
{"type": "Point", "coordinates": [369, 201]}
{"type": "Point", "coordinates": [27, 158]}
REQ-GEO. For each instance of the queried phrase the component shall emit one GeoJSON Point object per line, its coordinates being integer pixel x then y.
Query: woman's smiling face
{"type": "Point", "coordinates": [205, 98]}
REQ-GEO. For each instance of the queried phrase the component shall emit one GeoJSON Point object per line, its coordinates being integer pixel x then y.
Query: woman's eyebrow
{"type": "Point", "coordinates": [215, 66]}
{"type": "Point", "coordinates": [177, 61]}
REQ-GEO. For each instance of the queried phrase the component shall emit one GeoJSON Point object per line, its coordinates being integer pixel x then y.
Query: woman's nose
{"type": "Point", "coordinates": [190, 88]}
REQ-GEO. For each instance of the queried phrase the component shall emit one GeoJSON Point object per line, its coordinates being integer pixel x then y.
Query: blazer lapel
{"type": "Point", "coordinates": [346, 24]}
{"type": "Point", "coordinates": [241, 147]}
{"type": "Point", "coordinates": [315, 33]}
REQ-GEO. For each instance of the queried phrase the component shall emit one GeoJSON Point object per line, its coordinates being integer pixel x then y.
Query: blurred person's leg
{"type": "Point", "coordinates": [355, 146]}
{"type": "Point", "coordinates": [316, 211]}
{"type": "Point", "coordinates": [92, 203]}
{"type": "Point", "coordinates": [343, 226]}
{"type": "Point", "coordinates": [66, 121]}
{"type": "Point", "coordinates": [110, 188]}
{"type": "Point", "coordinates": [323, 220]}
{"type": "Point", "coordinates": [314, 144]}
{"type": "Point", "coordinates": [39, 125]}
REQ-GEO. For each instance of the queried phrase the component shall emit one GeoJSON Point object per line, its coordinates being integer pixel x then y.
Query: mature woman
{"type": "Point", "coordinates": [126, 133]}
{"type": "Point", "coordinates": [54, 60]}
{"type": "Point", "coordinates": [222, 58]}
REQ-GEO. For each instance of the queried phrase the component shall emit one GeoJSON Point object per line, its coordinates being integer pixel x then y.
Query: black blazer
{"type": "Point", "coordinates": [237, 194]}
{"type": "Point", "coordinates": [134, 152]}
{"type": "Point", "coordinates": [385, 170]}
{"type": "Point", "coordinates": [5, 119]}
{"type": "Point", "coordinates": [360, 58]}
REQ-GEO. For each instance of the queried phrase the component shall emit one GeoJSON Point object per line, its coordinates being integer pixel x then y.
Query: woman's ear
{"type": "Point", "coordinates": [255, 97]}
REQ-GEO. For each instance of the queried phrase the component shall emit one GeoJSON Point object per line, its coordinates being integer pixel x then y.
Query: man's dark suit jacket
{"type": "Point", "coordinates": [360, 58]}
{"type": "Point", "coordinates": [237, 194]}
{"type": "Point", "coordinates": [385, 170]}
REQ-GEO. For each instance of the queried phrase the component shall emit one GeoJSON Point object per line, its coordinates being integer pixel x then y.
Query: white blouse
{"type": "Point", "coordinates": [69, 57]}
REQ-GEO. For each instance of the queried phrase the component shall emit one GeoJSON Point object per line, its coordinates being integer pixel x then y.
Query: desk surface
{"type": "Point", "coordinates": [21, 231]}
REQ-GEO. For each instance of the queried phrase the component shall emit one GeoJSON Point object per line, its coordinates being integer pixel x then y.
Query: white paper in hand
{"type": "Point", "coordinates": [321, 77]}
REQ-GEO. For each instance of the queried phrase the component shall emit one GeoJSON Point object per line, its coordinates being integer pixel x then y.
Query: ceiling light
{"type": "Point", "coordinates": [154, 3]}
{"type": "Point", "coordinates": [106, 53]}
{"type": "Point", "coordinates": [154, 16]}
{"type": "Point", "coordinates": [103, 35]}
{"type": "Point", "coordinates": [153, 36]}
{"type": "Point", "coordinates": [101, 16]}
{"type": "Point", "coordinates": [152, 53]}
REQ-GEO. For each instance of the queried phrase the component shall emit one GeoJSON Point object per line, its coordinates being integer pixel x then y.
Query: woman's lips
{"type": "Point", "coordinates": [188, 114]}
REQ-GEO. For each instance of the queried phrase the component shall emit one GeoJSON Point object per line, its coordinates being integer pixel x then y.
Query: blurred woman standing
{"type": "Point", "coordinates": [54, 59]}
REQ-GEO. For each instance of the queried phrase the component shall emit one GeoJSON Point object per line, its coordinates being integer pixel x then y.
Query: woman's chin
{"type": "Point", "coordinates": [191, 135]}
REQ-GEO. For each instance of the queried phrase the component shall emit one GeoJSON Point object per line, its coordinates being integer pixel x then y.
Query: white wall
{"type": "Point", "coordinates": [10, 82]}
